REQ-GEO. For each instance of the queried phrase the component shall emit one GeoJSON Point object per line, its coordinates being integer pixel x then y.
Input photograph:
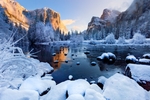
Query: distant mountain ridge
{"type": "Point", "coordinates": [135, 19]}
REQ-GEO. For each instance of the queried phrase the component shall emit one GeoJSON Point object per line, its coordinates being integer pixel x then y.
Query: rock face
{"type": "Point", "coordinates": [134, 19]}
{"type": "Point", "coordinates": [46, 15]}
{"type": "Point", "coordinates": [14, 15]}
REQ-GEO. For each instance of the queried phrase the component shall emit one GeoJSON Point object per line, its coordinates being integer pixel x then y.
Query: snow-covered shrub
{"type": "Point", "coordinates": [121, 40]}
{"type": "Point", "coordinates": [138, 38]}
{"type": "Point", "coordinates": [110, 39]}
{"type": "Point", "coordinates": [76, 39]}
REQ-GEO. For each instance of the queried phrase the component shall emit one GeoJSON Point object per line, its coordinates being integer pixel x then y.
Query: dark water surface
{"type": "Point", "coordinates": [75, 53]}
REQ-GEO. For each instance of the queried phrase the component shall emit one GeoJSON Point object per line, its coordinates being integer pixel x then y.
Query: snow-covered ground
{"type": "Point", "coordinates": [23, 78]}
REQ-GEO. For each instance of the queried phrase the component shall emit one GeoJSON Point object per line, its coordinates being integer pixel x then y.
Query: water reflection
{"type": "Point", "coordinates": [60, 57]}
{"type": "Point", "coordinates": [75, 53]}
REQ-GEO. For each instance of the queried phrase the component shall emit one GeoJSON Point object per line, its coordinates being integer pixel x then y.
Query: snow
{"type": "Point", "coordinates": [96, 88]}
{"type": "Point", "coordinates": [109, 57]}
{"type": "Point", "coordinates": [93, 63]}
{"type": "Point", "coordinates": [9, 94]}
{"type": "Point", "coordinates": [102, 79]}
{"type": "Point", "coordinates": [104, 55]}
{"type": "Point", "coordinates": [146, 56]}
{"type": "Point", "coordinates": [139, 72]}
{"type": "Point", "coordinates": [70, 77]}
{"type": "Point", "coordinates": [131, 59]}
{"type": "Point", "coordinates": [57, 92]}
{"type": "Point", "coordinates": [78, 87]}
{"type": "Point", "coordinates": [38, 84]}
{"type": "Point", "coordinates": [120, 87]}
{"type": "Point", "coordinates": [78, 63]}
{"type": "Point", "coordinates": [75, 97]}
{"type": "Point", "coordinates": [91, 94]}
{"type": "Point", "coordinates": [145, 61]}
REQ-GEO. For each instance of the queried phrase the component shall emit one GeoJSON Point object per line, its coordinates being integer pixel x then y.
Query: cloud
{"type": "Point", "coordinates": [78, 27]}
{"type": "Point", "coordinates": [68, 22]}
{"type": "Point", "coordinates": [120, 5]}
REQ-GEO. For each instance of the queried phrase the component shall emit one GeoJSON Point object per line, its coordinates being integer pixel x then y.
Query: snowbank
{"type": "Point", "coordinates": [9, 94]}
{"type": "Point", "coordinates": [57, 92]}
{"type": "Point", "coordinates": [78, 87]}
{"type": "Point", "coordinates": [75, 97]}
{"type": "Point", "coordinates": [37, 83]}
{"type": "Point", "coordinates": [91, 94]}
{"type": "Point", "coordinates": [120, 87]}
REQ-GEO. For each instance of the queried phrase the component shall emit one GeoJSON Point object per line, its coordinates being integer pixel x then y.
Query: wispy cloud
{"type": "Point", "coordinates": [78, 28]}
{"type": "Point", "coordinates": [68, 21]}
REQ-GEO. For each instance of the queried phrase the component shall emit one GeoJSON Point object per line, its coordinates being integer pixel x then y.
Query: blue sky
{"type": "Point", "coordinates": [76, 14]}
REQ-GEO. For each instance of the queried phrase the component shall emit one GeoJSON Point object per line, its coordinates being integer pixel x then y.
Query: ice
{"type": "Point", "coordinates": [78, 87]}
{"type": "Point", "coordinates": [120, 87]}
{"type": "Point", "coordinates": [139, 72]}
{"type": "Point", "coordinates": [91, 94]}
{"type": "Point", "coordinates": [75, 97]}
{"type": "Point", "coordinates": [37, 83]}
{"type": "Point", "coordinates": [9, 94]}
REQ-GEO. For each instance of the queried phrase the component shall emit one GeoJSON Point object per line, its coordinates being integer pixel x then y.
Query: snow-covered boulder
{"type": "Point", "coordinates": [107, 58]}
{"type": "Point", "coordinates": [70, 77]}
{"type": "Point", "coordinates": [86, 52]}
{"type": "Point", "coordinates": [78, 87]}
{"type": "Point", "coordinates": [120, 87]}
{"type": "Point", "coordinates": [78, 63]}
{"type": "Point", "coordinates": [144, 61]}
{"type": "Point", "coordinates": [9, 94]}
{"type": "Point", "coordinates": [91, 94]}
{"type": "Point", "coordinates": [101, 81]}
{"type": "Point", "coordinates": [93, 63]}
{"type": "Point", "coordinates": [147, 56]}
{"type": "Point", "coordinates": [38, 84]}
{"type": "Point", "coordinates": [95, 87]}
{"type": "Point", "coordinates": [58, 92]}
{"type": "Point", "coordinates": [131, 59]}
{"type": "Point", "coordinates": [139, 72]}
{"type": "Point", "coordinates": [75, 97]}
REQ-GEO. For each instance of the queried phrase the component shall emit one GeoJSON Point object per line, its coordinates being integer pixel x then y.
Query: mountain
{"type": "Point", "coordinates": [101, 25]}
{"type": "Point", "coordinates": [14, 16]}
{"type": "Point", "coordinates": [134, 19]}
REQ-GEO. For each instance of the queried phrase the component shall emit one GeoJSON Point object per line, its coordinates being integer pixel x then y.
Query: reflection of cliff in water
{"type": "Point", "coordinates": [46, 54]}
{"type": "Point", "coordinates": [60, 57]}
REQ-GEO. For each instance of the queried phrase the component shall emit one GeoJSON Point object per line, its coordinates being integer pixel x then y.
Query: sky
{"type": "Point", "coordinates": [76, 14]}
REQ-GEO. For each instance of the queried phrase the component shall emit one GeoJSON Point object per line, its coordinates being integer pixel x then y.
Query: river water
{"type": "Point", "coordinates": [68, 56]}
